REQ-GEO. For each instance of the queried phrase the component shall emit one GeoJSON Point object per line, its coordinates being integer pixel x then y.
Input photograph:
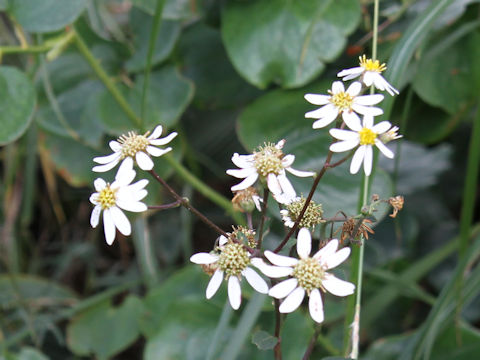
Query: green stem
{"type": "Point", "coordinates": [145, 253]}
{"type": "Point", "coordinates": [109, 84]}
{"type": "Point", "coordinates": [25, 50]}
{"type": "Point", "coordinates": [157, 20]}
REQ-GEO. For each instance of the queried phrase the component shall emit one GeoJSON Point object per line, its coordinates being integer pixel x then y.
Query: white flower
{"type": "Point", "coordinates": [269, 163]}
{"type": "Point", "coordinates": [232, 262]}
{"type": "Point", "coordinates": [347, 103]}
{"type": "Point", "coordinates": [135, 146]}
{"type": "Point", "coordinates": [366, 136]}
{"type": "Point", "coordinates": [119, 195]}
{"type": "Point", "coordinates": [309, 275]}
{"type": "Point", "coordinates": [370, 72]}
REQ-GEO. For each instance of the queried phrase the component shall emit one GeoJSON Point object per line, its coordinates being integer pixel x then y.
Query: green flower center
{"type": "Point", "coordinates": [312, 216]}
{"type": "Point", "coordinates": [309, 274]}
{"type": "Point", "coordinates": [106, 197]}
{"type": "Point", "coordinates": [133, 143]}
{"type": "Point", "coordinates": [268, 160]}
{"type": "Point", "coordinates": [367, 137]}
{"type": "Point", "coordinates": [342, 100]}
{"type": "Point", "coordinates": [233, 259]}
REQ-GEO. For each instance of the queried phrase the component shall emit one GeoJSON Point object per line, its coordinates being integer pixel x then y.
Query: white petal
{"type": "Point", "coordinates": [271, 271]}
{"type": "Point", "coordinates": [163, 141]}
{"type": "Point", "coordinates": [243, 161]}
{"type": "Point", "coordinates": [300, 173]}
{"type": "Point", "coordinates": [328, 250]}
{"type": "Point", "coordinates": [108, 227]}
{"type": "Point", "coordinates": [234, 292]}
{"type": "Point", "coordinates": [115, 146]}
{"type": "Point", "coordinates": [368, 121]}
{"type": "Point", "coordinates": [94, 218]}
{"type": "Point", "coordinates": [156, 132]}
{"type": "Point", "coordinates": [139, 185]}
{"type": "Point", "coordinates": [339, 257]}
{"type": "Point", "coordinates": [249, 181]}
{"type": "Point", "coordinates": [154, 151]}
{"type": "Point", "coordinates": [222, 240]}
{"type": "Point", "coordinates": [354, 89]}
{"type": "Point", "coordinates": [381, 127]}
{"type": "Point", "coordinates": [385, 150]}
{"type": "Point", "coordinates": [368, 99]}
{"type": "Point", "coordinates": [125, 173]}
{"type": "Point", "coordinates": [357, 159]}
{"type": "Point", "coordinates": [352, 120]}
{"type": "Point", "coordinates": [203, 258]}
{"type": "Point", "coordinates": [133, 206]}
{"type": "Point", "coordinates": [368, 160]}
{"type": "Point", "coordinates": [288, 160]}
{"type": "Point", "coordinates": [304, 243]}
{"type": "Point", "coordinates": [273, 184]}
{"type": "Point", "coordinates": [337, 87]}
{"type": "Point", "coordinates": [106, 167]}
{"type": "Point", "coordinates": [315, 306]}
{"type": "Point", "coordinates": [99, 184]}
{"type": "Point", "coordinates": [241, 173]}
{"type": "Point", "coordinates": [129, 195]}
{"type": "Point", "coordinates": [214, 283]}
{"type": "Point", "coordinates": [283, 288]}
{"type": "Point", "coordinates": [343, 134]}
{"type": "Point", "coordinates": [368, 78]}
{"type": "Point", "coordinates": [121, 221]}
{"type": "Point", "coordinates": [144, 161]}
{"type": "Point", "coordinates": [94, 198]}
{"type": "Point", "coordinates": [107, 159]}
{"type": "Point", "coordinates": [287, 188]}
{"type": "Point", "coordinates": [344, 145]}
{"type": "Point", "coordinates": [255, 280]}
{"type": "Point", "coordinates": [367, 110]}
{"type": "Point", "coordinates": [316, 99]}
{"type": "Point", "coordinates": [352, 71]}
{"type": "Point", "coordinates": [292, 301]}
{"type": "Point", "coordinates": [337, 287]}
{"type": "Point", "coordinates": [280, 260]}
{"type": "Point", "coordinates": [329, 111]}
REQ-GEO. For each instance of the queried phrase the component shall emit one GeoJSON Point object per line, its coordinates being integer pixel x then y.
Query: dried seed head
{"type": "Point", "coordinates": [397, 204]}
{"type": "Point", "coordinates": [243, 200]}
{"type": "Point", "coordinates": [245, 236]}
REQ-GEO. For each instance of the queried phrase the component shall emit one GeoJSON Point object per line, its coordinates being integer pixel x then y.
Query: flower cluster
{"type": "Point", "coordinates": [121, 194]}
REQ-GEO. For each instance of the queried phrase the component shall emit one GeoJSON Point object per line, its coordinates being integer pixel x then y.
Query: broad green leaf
{"type": "Point", "coordinates": [263, 340]}
{"type": "Point", "coordinates": [173, 9]}
{"type": "Point", "coordinates": [286, 42]}
{"type": "Point", "coordinates": [3, 4]}
{"type": "Point", "coordinates": [280, 115]}
{"type": "Point", "coordinates": [28, 353]}
{"type": "Point", "coordinates": [104, 330]}
{"type": "Point", "coordinates": [141, 24]}
{"type": "Point", "coordinates": [168, 95]}
{"type": "Point", "coordinates": [444, 78]}
{"type": "Point", "coordinates": [205, 61]}
{"type": "Point", "coordinates": [17, 104]}
{"type": "Point", "coordinates": [46, 15]}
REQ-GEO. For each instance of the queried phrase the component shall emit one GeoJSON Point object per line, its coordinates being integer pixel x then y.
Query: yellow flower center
{"type": "Point", "coordinates": [370, 65]}
{"type": "Point", "coordinates": [309, 274]}
{"type": "Point", "coordinates": [268, 160]}
{"type": "Point", "coordinates": [133, 143]}
{"type": "Point", "coordinates": [233, 259]}
{"type": "Point", "coordinates": [106, 198]}
{"type": "Point", "coordinates": [342, 100]}
{"type": "Point", "coordinates": [367, 137]}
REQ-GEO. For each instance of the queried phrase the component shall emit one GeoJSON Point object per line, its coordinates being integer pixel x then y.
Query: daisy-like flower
{"type": "Point", "coordinates": [134, 146]}
{"type": "Point", "coordinates": [348, 103]}
{"type": "Point", "coordinates": [309, 275]}
{"type": "Point", "coordinates": [371, 73]}
{"type": "Point", "coordinates": [312, 216]}
{"type": "Point", "coordinates": [120, 194]}
{"type": "Point", "coordinates": [269, 163]}
{"type": "Point", "coordinates": [232, 262]}
{"type": "Point", "coordinates": [366, 136]}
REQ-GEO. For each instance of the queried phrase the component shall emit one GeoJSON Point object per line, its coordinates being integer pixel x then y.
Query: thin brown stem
{"type": "Point", "coordinates": [186, 203]}
{"type": "Point", "coordinates": [262, 219]}
{"type": "Point", "coordinates": [167, 206]}
{"type": "Point", "coordinates": [311, 344]}
{"type": "Point", "coordinates": [249, 220]}
{"type": "Point", "coordinates": [277, 350]}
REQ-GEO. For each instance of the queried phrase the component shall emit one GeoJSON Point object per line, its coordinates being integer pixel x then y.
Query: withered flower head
{"type": "Point", "coordinates": [246, 200]}
{"type": "Point", "coordinates": [351, 229]}
{"type": "Point", "coordinates": [244, 235]}
{"type": "Point", "coordinates": [397, 204]}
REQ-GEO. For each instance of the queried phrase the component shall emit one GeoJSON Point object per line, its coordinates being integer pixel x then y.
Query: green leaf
{"type": "Point", "coordinates": [46, 15]}
{"type": "Point", "coordinates": [280, 115]}
{"type": "Point", "coordinates": [141, 24]}
{"type": "Point", "coordinates": [168, 96]}
{"type": "Point", "coordinates": [17, 104]}
{"type": "Point", "coordinates": [103, 330]}
{"type": "Point", "coordinates": [28, 353]}
{"type": "Point", "coordinates": [173, 10]}
{"type": "Point", "coordinates": [263, 340]}
{"type": "Point", "coordinates": [444, 77]}
{"type": "Point", "coordinates": [286, 42]}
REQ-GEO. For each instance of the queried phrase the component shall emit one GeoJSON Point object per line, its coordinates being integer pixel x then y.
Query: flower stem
{"type": "Point", "coordinates": [277, 350]}
{"type": "Point", "coordinates": [166, 206]}
{"type": "Point", "coordinates": [186, 203]}
{"type": "Point", "coordinates": [262, 219]}
{"type": "Point", "coordinates": [311, 344]}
